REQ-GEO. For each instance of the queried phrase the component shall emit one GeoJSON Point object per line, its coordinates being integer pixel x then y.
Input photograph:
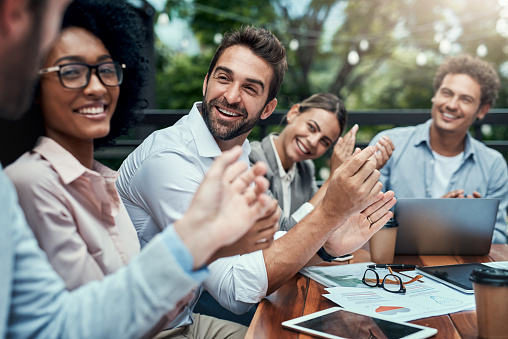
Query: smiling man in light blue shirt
{"type": "Point", "coordinates": [440, 158]}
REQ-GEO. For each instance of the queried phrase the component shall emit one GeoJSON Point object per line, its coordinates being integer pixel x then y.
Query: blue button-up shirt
{"type": "Point", "coordinates": [410, 170]}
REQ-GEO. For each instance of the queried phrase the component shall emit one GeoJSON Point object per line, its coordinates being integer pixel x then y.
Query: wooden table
{"type": "Point", "coordinates": [301, 296]}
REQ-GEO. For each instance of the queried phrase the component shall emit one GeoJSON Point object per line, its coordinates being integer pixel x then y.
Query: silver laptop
{"type": "Point", "coordinates": [445, 226]}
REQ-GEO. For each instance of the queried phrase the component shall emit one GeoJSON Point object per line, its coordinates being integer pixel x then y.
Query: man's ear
{"type": "Point", "coordinates": [482, 111]}
{"type": "Point", "coordinates": [269, 108]}
{"type": "Point", "coordinates": [205, 83]}
{"type": "Point", "coordinates": [14, 18]}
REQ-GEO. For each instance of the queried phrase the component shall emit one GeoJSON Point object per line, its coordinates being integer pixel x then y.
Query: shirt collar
{"type": "Point", "coordinates": [422, 135]}
{"type": "Point", "coordinates": [290, 174]}
{"type": "Point", "coordinates": [205, 143]}
{"type": "Point", "coordinates": [66, 165]}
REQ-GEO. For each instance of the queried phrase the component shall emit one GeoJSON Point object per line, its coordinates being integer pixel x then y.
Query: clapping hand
{"type": "Point", "coordinates": [353, 186]}
{"type": "Point", "coordinates": [225, 207]}
{"type": "Point", "coordinates": [384, 150]}
{"type": "Point", "coordinates": [343, 149]}
{"type": "Point", "coordinates": [359, 228]}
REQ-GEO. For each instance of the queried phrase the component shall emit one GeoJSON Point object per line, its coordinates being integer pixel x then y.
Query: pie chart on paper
{"type": "Point", "coordinates": [391, 310]}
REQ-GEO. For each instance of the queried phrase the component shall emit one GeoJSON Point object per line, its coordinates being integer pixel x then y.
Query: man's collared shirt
{"type": "Point", "coordinates": [302, 186]}
{"type": "Point", "coordinates": [286, 179]}
{"type": "Point", "coordinates": [410, 170]}
{"type": "Point", "coordinates": [157, 183]}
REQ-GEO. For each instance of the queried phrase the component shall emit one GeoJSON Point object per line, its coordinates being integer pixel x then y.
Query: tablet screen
{"type": "Point", "coordinates": [454, 274]}
{"type": "Point", "coordinates": [352, 325]}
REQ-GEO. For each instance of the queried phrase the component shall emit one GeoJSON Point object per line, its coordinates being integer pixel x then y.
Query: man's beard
{"type": "Point", "coordinates": [224, 130]}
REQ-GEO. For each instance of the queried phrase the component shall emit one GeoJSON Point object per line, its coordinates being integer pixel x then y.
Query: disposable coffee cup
{"type": "Point", "coordinates": [491, 296]}
{"type": "Point", "coordinates": [382, 244]}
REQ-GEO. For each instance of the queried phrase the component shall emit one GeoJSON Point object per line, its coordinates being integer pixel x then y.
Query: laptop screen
{"type": "Point", "coordinates": [445, 226]}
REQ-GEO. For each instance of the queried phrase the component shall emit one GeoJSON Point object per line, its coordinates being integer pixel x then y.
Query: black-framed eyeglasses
{"type": "Point", "coordinates": [390, 282]}
{"type": "Point", "coordinates": [77, 75]}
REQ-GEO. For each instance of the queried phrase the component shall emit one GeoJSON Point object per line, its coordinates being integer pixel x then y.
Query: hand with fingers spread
{"type": "Point", "coordinates": [259, 236]}
{"type": "Point", "coordinates": [343, 149]}
{"type": "Point", "coordinates": [225, 206]}
{"type": "Point", "coordinates": [454, 194]}
{"type": "Point", "coordinates": [384, 150]}
{"type": "Point", "coordinates": [353, 186]}
{"type": "Point", "coordinates": [243, 205]}
{"type": "Point", "coordinates": [474, 195]}
{"type": "Point", "coordinates": [358, 229]}
{"type": "Point", "coordinates": [460, 194]}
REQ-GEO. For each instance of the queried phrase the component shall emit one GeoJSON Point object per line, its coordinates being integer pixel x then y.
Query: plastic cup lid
{"type": "Point", "coordinates": [490, 276]}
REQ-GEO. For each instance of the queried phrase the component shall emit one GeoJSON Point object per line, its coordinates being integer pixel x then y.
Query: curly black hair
{"type": "Point", "coordinates": [119, 27]}
{"type": "Point", "coordinates": [121, 31]}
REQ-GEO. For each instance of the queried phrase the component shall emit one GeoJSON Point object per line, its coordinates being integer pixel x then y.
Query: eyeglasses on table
{"type": "Point", "coordinates": [390, 282]}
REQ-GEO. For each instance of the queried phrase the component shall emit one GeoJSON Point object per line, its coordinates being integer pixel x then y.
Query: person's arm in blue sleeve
{"type": "Point", "coordinates": [130, 302]}
{"type": "Point", "coordinates": [499, 189]}
{"type": "Point", "coordinates": [126, 304]}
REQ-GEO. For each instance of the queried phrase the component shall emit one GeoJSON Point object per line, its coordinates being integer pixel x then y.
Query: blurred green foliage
{"type": "Point", "coordinates": [179, 78]}
{"type": "Point", "coordinates": [386, 75]}
{"type": "Point", "coordinates": [326, 31]}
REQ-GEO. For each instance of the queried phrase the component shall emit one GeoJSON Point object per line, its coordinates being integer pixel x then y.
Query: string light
{"type": "Point", "coordinates": [163, 19]}
{"type": "Point", "coordinates": [364, 45]}
{"type": "Point", "coordinates": [353, 58]}
{"type": "Point", "coordinates": [482, 51]}
{"type": "Point", "coordinates": [217, 38]}
{"type": "Point", "coordinates": [445, 46]}
{"type": "Point", "coordinates": [421, 59]}
{"type": "Point", "coordinates": [294, 44]}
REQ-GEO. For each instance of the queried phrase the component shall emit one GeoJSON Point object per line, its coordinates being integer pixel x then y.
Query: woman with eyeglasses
{"type": "Point", "coordinates": [87, 96]}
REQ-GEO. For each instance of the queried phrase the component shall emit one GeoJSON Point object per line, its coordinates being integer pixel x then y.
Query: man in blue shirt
{"type": "Point", "coordinates": [131, 302]}
{"type": "Point", "coordinates": [439, 158]}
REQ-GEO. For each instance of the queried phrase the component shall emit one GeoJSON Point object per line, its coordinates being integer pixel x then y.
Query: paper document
{"type": "Point", "coordinates": [497, 264]}
{"type": "Point", "coordinates": [339, 275]}
{"type": "Point", "coordinates": [423, 298]}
